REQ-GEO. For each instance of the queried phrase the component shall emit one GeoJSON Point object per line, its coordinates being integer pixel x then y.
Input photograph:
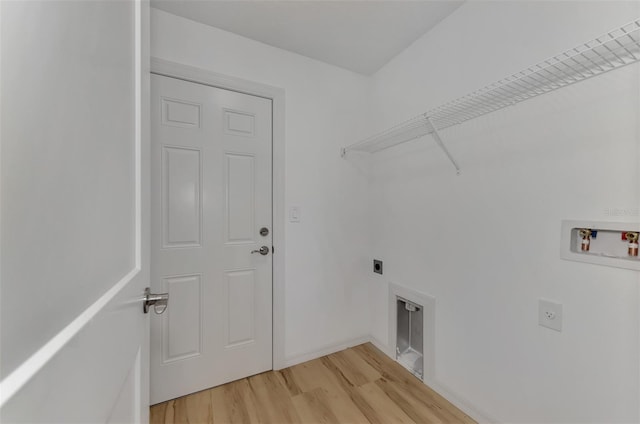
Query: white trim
{"type": "Point", "coordinates": [384, 347]}
{"type": "Point", "coordinates": [327, 350]}
{"type": "Point", "coordinates": [29, 368]}
{"type": "Point", "coordinates": [138, 132]}
{"type": "Point", "coordinates": [638, 205]}
{"type": "Point", "coordinates": [140, 407]}
{"type": "Point", "coordinates": [277, 96]}
{"type": "Point", "coordinates": [145, 199]}
{"type": "Point", "coordinates": [214, 79]}
{"type": "Point", "coordinates": [461, 403]}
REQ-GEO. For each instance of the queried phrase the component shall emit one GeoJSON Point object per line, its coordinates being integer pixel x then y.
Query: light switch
{"type": "Point", "coordinates": [294, 214]}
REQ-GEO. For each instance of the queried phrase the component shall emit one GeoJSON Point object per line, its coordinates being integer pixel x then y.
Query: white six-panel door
{"type": "Point", "coordinates": [211, 196]}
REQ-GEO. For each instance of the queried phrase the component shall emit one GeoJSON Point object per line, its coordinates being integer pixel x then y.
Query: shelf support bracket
{"type": "Point", "coordinates": [436, 137]}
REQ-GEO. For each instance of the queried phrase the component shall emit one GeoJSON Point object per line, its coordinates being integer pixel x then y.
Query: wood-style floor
{"type": "Point", "coordinates": [357, 385]}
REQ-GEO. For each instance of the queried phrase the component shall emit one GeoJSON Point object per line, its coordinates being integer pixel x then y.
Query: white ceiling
{"type": "Point", "coordinates": [361, 36]}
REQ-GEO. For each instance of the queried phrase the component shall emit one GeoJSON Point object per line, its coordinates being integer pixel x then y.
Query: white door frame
{"type": "Point", "coordinates": [277, 96]}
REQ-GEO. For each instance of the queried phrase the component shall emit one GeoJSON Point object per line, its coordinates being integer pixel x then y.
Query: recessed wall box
{"type": "Point", "coordinates": [409, 331]}
{"type": "Point", "coordinates": [601, 243]}
{"type": "Point", "coordinates": [412, 330]}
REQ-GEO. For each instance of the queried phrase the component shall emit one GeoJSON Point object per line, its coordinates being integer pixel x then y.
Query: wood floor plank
{"type": "Point", "coordinates": [312, 375]}
{"type": "Point", "coordinates": [228, 405]}
{"type": "Point", "coordinates": [346, 411]}
{"type": "Point", "coordinates": [386, 409]}
{"type": "Point", "coordinates": [176, 411]}
{"type": "Point", "coordinates": [169, 413]}
{"type": "Point", "coordinates": [395, 373]}
{"type": "Point", "coordinates": [218, 405]}
{"type": "Point", "coordinates": [194, 408]}
{"type": "Point", "coordinates": [315, 407]}
{"type": "Point", "coordinates": [368, 410]}
{"type": "Point", "coordinates": [289, 381]}
{"type": "Point", "coordinates": [413, 407]}
{"type": "Point", "coordinates": [444, 411]}
{"type": "Point", "coordinates": [233, 403]}
{"type": "Point", "coordinates": [360, 385]}
{"type": "Point", "coordinates": [198, 408]}
{"type": "Point", "coordinates": [377, 360]}
{"type": "Point", "coordinates": [273, 399]}
{"type": "Point", "coordinates": [157, 413]}
{"type": "Point", "coordinates": [357, 371]}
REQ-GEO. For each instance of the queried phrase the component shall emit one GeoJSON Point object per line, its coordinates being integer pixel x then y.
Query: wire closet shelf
{"type": "Point", "coordinates": [613, 50]}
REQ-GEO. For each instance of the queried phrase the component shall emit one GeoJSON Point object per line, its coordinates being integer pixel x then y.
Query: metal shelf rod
{"type": "Point", "coordinates": [436, 137]}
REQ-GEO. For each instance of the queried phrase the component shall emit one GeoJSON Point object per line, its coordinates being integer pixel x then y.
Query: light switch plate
{"type": "Point", "coordinates": [294, 214]}
{"type": "Point", "coordinates": [550, 314]}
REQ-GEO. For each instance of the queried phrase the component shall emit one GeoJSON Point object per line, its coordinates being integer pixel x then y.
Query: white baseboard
{"type": "Point", "coordinates": [461, 403]}
{"type": "Point", "coordinates": [384, 347]}
{"type": "Point", "coordinates": [327, 350]}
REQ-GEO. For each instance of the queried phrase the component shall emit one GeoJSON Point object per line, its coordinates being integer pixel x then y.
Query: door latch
{"type": "Point", "coordinates": [264, 250]}
{"type": "Point", "coordinates": [159, 301]}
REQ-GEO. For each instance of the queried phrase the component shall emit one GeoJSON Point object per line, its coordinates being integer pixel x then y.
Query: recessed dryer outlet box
{"type": "Point", "coordinates": [412, 329]}
{"type": "Point", "coordinates": [377, 266]}
{"type": "Point", "coordinates": [409, 333]}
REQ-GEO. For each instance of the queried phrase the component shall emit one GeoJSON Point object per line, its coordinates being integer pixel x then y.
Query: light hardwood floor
{"type": "Point", "coordinates": [357, 385]}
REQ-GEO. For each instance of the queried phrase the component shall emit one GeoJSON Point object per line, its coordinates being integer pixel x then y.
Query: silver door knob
{"type": "Point", "coordinates": [159, 301]}
{"type": "Point", "coordinates": [264, 250]}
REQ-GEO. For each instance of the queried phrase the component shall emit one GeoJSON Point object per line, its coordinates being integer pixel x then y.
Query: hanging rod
{"type": "Point", "coordinates": [613, 50]}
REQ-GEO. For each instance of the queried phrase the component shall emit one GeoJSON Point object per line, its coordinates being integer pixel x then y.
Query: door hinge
{"type": "Point", "coordinates": [273, 249]}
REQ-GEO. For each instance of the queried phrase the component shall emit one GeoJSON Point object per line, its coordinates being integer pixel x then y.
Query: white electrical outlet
{"type": "Point", "coordinates": [550, 314]}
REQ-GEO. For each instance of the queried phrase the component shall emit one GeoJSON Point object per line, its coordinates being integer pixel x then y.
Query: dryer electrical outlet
{"type": "Point", "coordinates": [377, 266]}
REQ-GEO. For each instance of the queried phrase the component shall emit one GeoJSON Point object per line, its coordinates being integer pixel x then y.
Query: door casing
{"type": "Point", "coordinates": [277, 96]}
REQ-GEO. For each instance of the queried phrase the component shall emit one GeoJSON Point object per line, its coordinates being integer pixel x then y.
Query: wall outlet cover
{"type": "Point", "coordinates": [550, 314]}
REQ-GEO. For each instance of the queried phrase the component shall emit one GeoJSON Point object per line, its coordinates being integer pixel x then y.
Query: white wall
{"type": "Point", "coordinates": [325, 109]}
{"type": "Point", "coordinates": [486, 243]}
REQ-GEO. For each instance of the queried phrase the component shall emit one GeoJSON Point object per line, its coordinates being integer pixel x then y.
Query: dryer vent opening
{"type": "Point", "coordinates": [409, 343]}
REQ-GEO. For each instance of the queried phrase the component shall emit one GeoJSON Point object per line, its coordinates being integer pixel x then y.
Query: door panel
{"type": "Point", "coordinates": [129, 403]}
{"type": "Point", "coordinates": [88, 379]}
{"type": "Point", "coordinates": [240, 196]}
{"type": "Point", "coordinates": [181, 196]}
{"type": "Point", "coordinates": [182, 327]}
{"type": "Point", "coordinates": [211, 194]}
{"type": "Point", "coordinates": [74, 345]}
{"type": "Point", "coordinates": [240, 287]}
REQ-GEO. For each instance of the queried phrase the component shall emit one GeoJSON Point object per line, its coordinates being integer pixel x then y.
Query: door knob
{"type": "Point", "coordinates": [264, 250]}
{"type": "Point", "coordinates": [159, 301]}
